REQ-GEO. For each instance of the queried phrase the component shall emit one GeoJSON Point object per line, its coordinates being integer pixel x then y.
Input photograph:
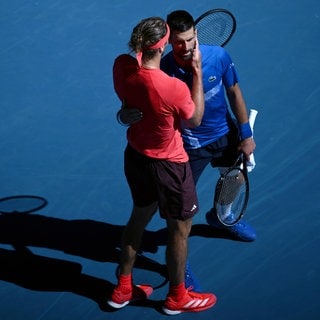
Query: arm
{"type": "Point", "coordinates": [125, 116]}
{"type": "Point", "coordinates": [197, 88]}
{"type": "Point", "coordinates": [239, 109]}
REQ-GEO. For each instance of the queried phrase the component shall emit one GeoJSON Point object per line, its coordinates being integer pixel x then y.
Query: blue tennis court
{"type": "Point", "coordinates": [64, 197]}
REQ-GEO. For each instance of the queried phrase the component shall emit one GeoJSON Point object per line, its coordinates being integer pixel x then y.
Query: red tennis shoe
{"type": "Point", "coordinates": [122, 295]}
{"type": "Point", "coordinates": [191, 302]}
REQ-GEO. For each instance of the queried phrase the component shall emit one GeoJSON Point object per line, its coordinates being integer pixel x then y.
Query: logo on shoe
{"type": "Point", "coordinates": [196, 303]}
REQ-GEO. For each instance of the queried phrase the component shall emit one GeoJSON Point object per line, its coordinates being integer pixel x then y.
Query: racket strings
{"type": "Point", "coordinates": [215, 29]}
{"type": "Point", "coordinates": [231, 196]}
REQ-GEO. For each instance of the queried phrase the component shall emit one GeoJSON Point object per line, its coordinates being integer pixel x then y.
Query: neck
{"type": "Point", "coordinates": [148, 65]}
{"type": "Point", "coordinates": [153, 63]}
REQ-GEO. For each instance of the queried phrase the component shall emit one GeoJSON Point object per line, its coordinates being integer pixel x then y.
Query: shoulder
{"type": "Point", "coordinates": [124, 66]}
{"type": "Point", "coordinates": [179, 91]}
{"type": "Point", "coordinates": [125, 61]}
{"type": "Point", "coordinates": [207, 50]}
{"type": "Point", "coordinates": [215, 56]}
{"type": "Point", "coordinates": [122, 58]}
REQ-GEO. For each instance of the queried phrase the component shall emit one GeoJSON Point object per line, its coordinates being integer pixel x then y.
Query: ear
{"type": "Point", "coordinates": [162, 49]}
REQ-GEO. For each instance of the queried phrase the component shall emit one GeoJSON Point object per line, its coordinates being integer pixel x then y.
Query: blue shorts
{"type": "Point", "coordinates": [220, 153]}
{"type": "Point", "coordinates": [169, 183]}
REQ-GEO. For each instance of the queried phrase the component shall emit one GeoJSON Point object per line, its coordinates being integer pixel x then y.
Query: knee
{"type": "Point", "coordinates": [179, 228]}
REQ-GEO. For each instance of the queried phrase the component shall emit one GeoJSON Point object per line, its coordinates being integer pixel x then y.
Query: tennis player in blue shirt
{"type": "Point", "coordinates": [220, 136]}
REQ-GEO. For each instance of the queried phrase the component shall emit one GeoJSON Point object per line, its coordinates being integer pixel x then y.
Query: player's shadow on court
{"type": "Point", "coordinates": [84, 238]}
{"type": "Point", "coordinates": [22, 232]}
{"type": "Point", "coordinates": [98, 241]}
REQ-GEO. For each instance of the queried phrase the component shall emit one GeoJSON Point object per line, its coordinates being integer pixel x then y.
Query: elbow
{"type": "Point", "coordinates": [194, 122]}
{"type": "Point", "coordinates": [196, 119]}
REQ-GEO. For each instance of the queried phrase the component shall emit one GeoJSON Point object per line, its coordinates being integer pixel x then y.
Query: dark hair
{"type": "Point", "coordinates": [146, 33]}
{"type": "Point", "coordinates": [180, 20]}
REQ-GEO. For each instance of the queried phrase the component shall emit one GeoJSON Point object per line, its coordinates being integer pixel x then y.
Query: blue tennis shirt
{"type": "Point", "coordinates": [218, 73]}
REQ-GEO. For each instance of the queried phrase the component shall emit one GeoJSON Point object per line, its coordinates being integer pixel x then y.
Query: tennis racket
{"type": "Point", "coordinates": [215, 27]}
{"type": "Point", "coordinates": [232, 193]}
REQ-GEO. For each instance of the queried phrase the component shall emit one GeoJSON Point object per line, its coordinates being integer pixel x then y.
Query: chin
{"type": "Point", "coordinates": [186, 58]}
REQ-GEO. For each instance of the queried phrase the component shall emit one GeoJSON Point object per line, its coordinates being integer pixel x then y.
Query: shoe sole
{"type": "Point", "coordinates": [121, 305]}
{"type": "Point", "coordinates": [117, 305]}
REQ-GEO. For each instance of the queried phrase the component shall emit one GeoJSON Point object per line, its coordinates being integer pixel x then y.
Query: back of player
{"type": "Point", "coordinates": [148, 90]}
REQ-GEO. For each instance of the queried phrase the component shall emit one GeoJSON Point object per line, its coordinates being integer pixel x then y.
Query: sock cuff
{"type": "Point", "coordinates": [125, 279]}
{"type": "Point", "coordinates": [177, 290]}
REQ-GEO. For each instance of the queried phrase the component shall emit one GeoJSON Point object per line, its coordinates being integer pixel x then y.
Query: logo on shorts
{"type": "Point", "coordinates": [194, 207]}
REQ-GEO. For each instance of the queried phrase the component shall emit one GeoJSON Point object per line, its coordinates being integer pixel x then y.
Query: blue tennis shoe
{"type": "Point", "coordinates": [190, 280]}
{"type": "Point", "coordinates": [240, 231]}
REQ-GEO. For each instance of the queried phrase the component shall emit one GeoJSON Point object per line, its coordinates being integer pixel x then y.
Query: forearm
{"type": "Point", "coordinates": [197, 87]}
{"type": "Point", "coordinates": [237, 104]}
{"type": "Point", "coordinates": [239, 109]}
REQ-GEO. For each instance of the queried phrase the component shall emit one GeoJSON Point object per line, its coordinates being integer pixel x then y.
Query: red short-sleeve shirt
{"type": "Point", "coordinates": [164, 102]}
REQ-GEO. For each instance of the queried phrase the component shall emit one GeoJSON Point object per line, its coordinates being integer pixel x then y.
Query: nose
{"type": "Point", "coordinates": [186, 46]}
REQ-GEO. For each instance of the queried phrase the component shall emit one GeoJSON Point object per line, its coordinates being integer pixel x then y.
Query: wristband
{"type": "Point", "coordinates": [245, 130]}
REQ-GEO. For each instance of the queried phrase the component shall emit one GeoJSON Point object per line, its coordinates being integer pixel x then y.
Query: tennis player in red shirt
{"type": "Point", "coordinates": [156, 164]}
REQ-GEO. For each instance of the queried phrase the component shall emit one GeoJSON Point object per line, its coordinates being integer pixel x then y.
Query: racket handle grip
{"type": "Point", "coordinates": [252, 118]}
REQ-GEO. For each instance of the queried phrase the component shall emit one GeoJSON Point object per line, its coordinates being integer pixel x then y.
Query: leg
{"type": "Point", "coordinates": [224, 153]}
{"type": "Point", "coordinates": [125, 291]}
{"type": "Point", "coordinates": [144, 195]}
{"type": "Point", "coordinates": [176, 253]}
{"type": "Point", "coordinates": [179, 299]}
{"type": "Point", "coordinates": [132, 235]}
{"type": "Point", "coordinates": [198, 159]}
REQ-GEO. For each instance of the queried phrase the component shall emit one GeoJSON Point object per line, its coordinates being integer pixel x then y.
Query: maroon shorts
{"type": "Point", "coordinates": [169, 183]}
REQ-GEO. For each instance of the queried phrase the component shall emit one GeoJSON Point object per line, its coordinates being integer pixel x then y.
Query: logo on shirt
{"type": "Point", "coordinates": [212, 78]}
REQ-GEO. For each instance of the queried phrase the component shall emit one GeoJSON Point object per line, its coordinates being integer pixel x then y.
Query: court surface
{"type": "Point", "coordinates": [62, 147]}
